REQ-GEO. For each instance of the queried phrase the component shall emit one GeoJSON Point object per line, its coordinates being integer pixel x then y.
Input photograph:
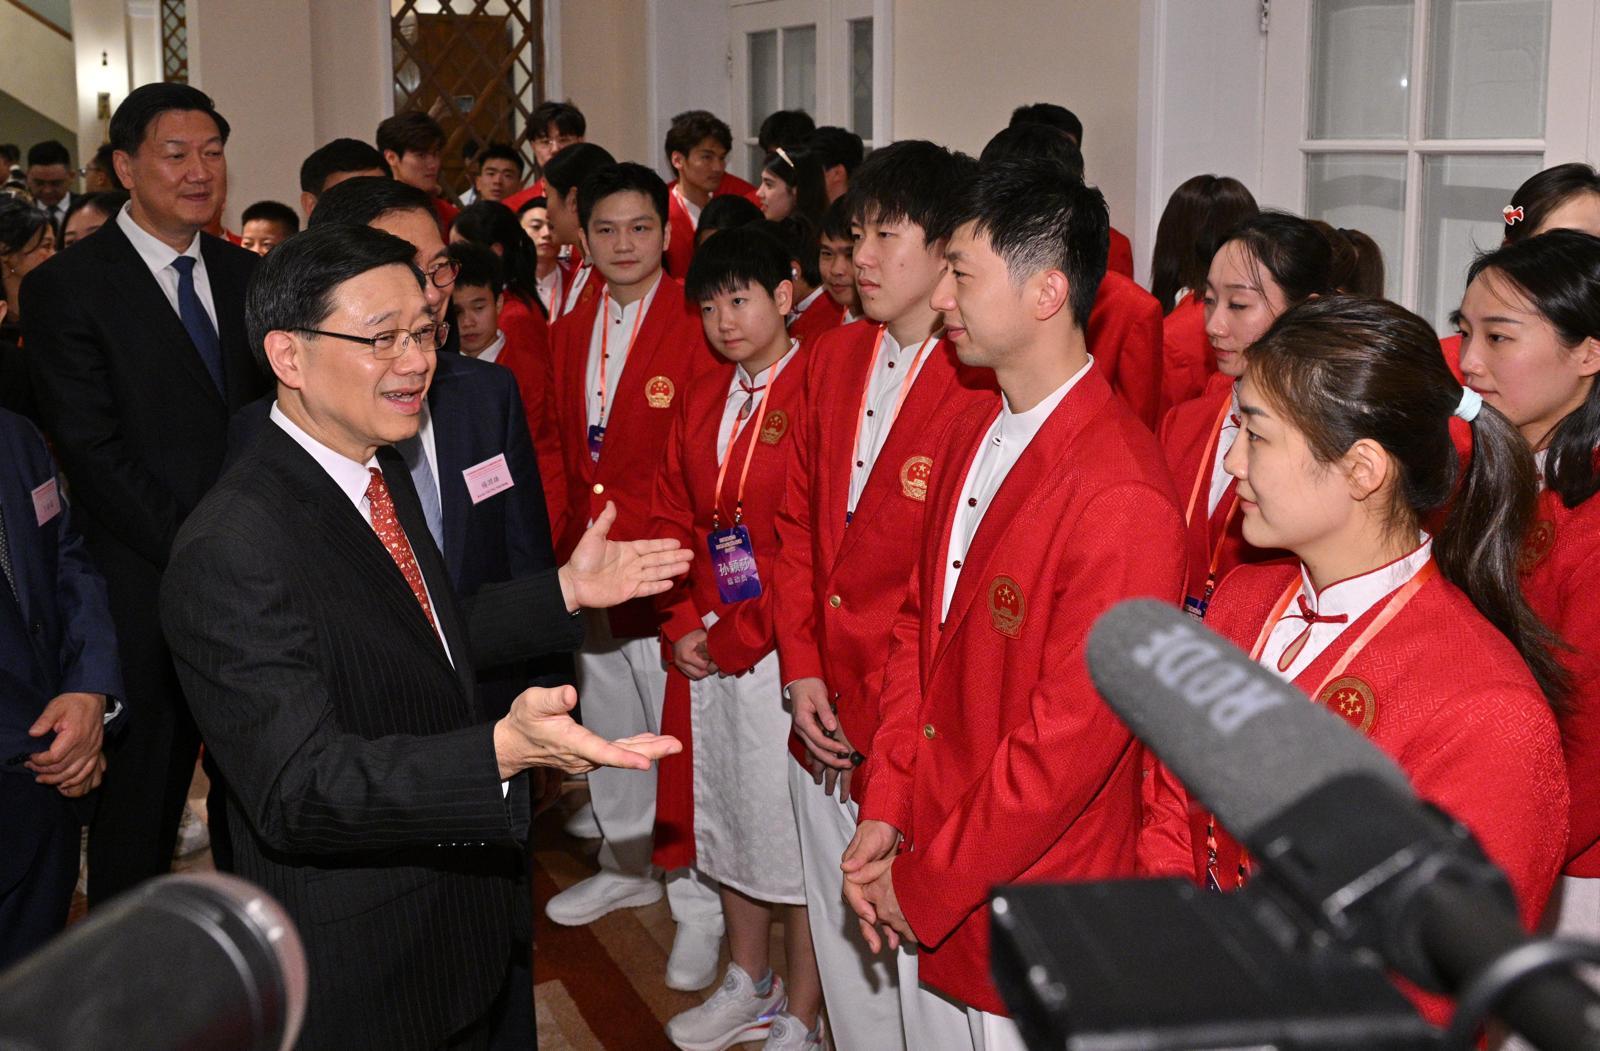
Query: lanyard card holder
{"type": "Point", "coordinates": [734, 561]}
{"type": "Point", "coordinates": [597, 434]}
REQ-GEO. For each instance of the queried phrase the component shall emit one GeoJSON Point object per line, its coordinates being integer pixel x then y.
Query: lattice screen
{"type": "Point", "coordinates": [475, 66]}
{"type": "Point", "coordinates": [175, 41]}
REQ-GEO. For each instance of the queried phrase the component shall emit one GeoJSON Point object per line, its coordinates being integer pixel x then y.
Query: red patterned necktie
{"type": "Point", "coordinates": [1312, 619]}
{"type": "Point", "coordinates": [387, 525]}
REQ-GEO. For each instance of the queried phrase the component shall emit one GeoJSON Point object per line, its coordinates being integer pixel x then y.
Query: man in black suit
{"type": "Point", "coordinates": [50, 181]}
{"type": "Point", "coordinates": [136, 344]}
{"type": "Point", "coordinates": [59, 687]}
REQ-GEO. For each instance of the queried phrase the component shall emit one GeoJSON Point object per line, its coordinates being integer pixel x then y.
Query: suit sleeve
{"type": "Point", "coordinates": [248, 662]}
{"type": "Point", "coordinates": [71, 379]}
{"type": "Point", "coordinates": [672, 518]}
{"type": "Point", "coordinates": [1050, 768]}
{"type": "Point", "coordinates": [794, 606]}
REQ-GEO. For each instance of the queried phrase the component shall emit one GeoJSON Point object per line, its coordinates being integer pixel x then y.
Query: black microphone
{"type": "Point", "coordinates": [1331, 821]}
{"type": "Point", "coordinates": [192, 962]}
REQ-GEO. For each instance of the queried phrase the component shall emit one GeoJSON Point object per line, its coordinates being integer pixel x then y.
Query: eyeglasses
{"type": "Point", "coordinates": [387, 346]}
{"type": "Point", "coordinates": [443, 274]}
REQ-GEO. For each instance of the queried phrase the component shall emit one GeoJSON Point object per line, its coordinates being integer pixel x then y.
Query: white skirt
{"type": "Point", "coordinates": [744, 824]}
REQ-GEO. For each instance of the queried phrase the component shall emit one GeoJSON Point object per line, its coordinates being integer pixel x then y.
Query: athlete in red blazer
{"type": "Point", "coordinates": [1187, 360]}
{"type": "Point", "coordinates": [838, 588]}
{"type": "Point", "coordinates": [527, 355]}
{"type": "Point", "coordinates": [669, 352]}
{"type": "Point", "coordinates": [996, 758]}
{"type": "Point", "coordinates": [1125, 339]}
{"type": "Point", "coordinates": [680, 244]}
{"type": "Point", "coordinates": [823, 315]}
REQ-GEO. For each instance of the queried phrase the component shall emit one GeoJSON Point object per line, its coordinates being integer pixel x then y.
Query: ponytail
{"type": "Point", "coordinates": [1343, 368]}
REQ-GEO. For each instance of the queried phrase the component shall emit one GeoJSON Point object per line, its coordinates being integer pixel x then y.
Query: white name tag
{"type": "Point", "coordinates": [487, 478]}
{"type": "Point", "coordinates": [46, 502]}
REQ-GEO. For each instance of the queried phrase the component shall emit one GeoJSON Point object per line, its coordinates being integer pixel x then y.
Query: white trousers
{"type": "Point", "coordinates": [858, 986]}
{"type": "Point", "coordinates": [622, 684]}
{"type": "Point", "coordinates": [935, 1023]}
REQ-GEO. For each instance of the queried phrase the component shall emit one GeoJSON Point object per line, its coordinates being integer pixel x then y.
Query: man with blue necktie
{"type": "Point", "coordinates": [137, 349]}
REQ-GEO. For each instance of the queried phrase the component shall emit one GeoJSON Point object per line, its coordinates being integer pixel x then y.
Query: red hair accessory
{"type": "Point", "coordinates": [1512, 214]}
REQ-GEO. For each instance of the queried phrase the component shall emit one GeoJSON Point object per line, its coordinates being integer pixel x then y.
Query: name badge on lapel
{"type": "Point", "coordinates": [734, 560]}
{"type": "Point", "coordinates": [46, 501]}
{"type": "Point", "coordinates": [488, 478]}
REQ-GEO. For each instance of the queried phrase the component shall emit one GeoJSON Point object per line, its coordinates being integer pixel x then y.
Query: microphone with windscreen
{"type": "Point", "coordinates": [201, 962]}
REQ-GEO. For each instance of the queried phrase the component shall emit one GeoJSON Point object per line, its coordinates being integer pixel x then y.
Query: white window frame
{"type": "Point", "coordinates": [832, 19]}
{"type": "Point", "coordinates": [1572, 114]}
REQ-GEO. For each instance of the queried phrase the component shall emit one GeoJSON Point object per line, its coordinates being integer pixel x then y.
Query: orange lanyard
{"type": "Point", "coordinates": [605, 333]}
{"type": "Point", "coordinates": [905, 389]}
{"type": "Point", "coordinates": [1203, 476]}
{"type": "Point", "coordinates": [1390, 610]}
{"type": "Point", "coordinates": [754, 420]}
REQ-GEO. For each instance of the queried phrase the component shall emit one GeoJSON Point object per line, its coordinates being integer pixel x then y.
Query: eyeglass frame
{"type": "Point", "coordinates": [430, 274]}
{"type": "Point", "coordinates": [441, 333]}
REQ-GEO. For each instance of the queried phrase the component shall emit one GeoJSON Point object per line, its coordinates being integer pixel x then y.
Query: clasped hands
{"type": "Point", "coordinates": [74, 762]}
{"type": "Point", "coordinates": [603, 572]}
{"type": "Point", "coordinates": [868, 866]}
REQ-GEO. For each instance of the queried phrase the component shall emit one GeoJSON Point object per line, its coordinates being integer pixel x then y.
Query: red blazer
{"type": "Point", "coordinates": [446, 213]}
{"type": "Point", "coordinates": [522, 197]}
{"type": "Point", "coordinates": [1125, 339]}
{"type": "Point", "coordinates": [680, 246]}
{"type": "Point", "coordinates": [1446, 696]}
{"type": "Point", "coordinates": [996, 757]}
{"type": "Point", "coordinates": [527, 355]}
{"type": "Point", "coordinates": [1184, 435]}
{"type": "Point", "coordinates": [1561, 578]}
{"type": "Point", "coordinates": [668, 355]}
{"type": "Point", "coordinates": [1119, 258]}
{"type": "Point", "coordinates": [823, 315]}
{"type": "Point", "coordinates": [839, 589]}
{"type": "Point", "coordinates": [1187, 360]}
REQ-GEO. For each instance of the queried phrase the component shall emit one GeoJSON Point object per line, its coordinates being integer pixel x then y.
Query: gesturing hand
{"type": "Point", "coordinates": [539, 732]}
{"type": "Point", "coordinates": [602, 572]}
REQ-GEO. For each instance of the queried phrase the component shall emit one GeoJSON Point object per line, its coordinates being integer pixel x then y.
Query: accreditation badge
{"type": "Point", "coordinates": [597, 435]}
{"type": "Point", "coordinates": [733, 559]}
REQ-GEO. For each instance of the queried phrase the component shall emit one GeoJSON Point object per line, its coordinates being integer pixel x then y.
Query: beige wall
{"type": "Point", "coordinates": [960, 68]}
{"type": "Point", "coordinates": [604, 70]}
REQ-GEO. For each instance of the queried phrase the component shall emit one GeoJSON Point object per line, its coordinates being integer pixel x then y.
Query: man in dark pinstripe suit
{"type": "Point", "coordinates": [331, 669]}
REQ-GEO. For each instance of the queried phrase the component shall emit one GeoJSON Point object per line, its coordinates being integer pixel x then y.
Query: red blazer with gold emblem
{"type": "Point", "coordinates": [1119, 255]}
{"type": "Point", "coordinates": [680, 244]}
{"type": "Point", "coordinates": [1187, 360]}
{"type": "Point", "coordinates": [839, 589]}
{"type": "Point", "coordinates": [683, 503]}
{"type": "Point", "coordinates": [1561, 578]}
{"type": "Point", "coordinates": [1125, 339]}
{"type": "Point", "coordinates": [1445, 695]}
{"type": "Point", "coordinates": [1185, 433]}
{"type": "Point", "coordinates": [669, 353]}
{"type": "Point", "coordinates": [996, 758]}
{"type": "Point", "coordinates": [823, 315]}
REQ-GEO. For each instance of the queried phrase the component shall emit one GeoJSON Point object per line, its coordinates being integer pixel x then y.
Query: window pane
{"type": "Point", "coordinates": [1366, 192]}
{"type": "Point", "coordinates": [763, 77]}
{"type": "Point", "coordinates": [1487, 61]}
{"type": "Point", "coordinates": [861, 77]}
{"type": "Point", "coordinates": [1461, 201]}
{"type": "Point", "coordinates": [1360, 68]}
{"type": "Point", "coordinates": [800, 68]}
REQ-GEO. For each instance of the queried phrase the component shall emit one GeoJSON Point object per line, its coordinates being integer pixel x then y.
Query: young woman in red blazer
{"type": "Point", "coordinates": [1424, 644]}
{"type": "Point", "coordinates": [1530, 325]}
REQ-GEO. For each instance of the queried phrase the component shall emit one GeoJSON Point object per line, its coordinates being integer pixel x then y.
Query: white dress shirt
{"type": "Point", "coordinates": [737, 397]}
{"type": "Point", "coordinates": [890, 372]}
{"type": "Point", "coordinates": [1228, 435]}
{"type": "Point", "coordinates": [158, 256]}
{"type": "Point", "coordinates": [690, 209]}
{"type": "Point", "coordinates": [624, 323]}
{"type": "Point", "coordinates": [549, 288]}
{"type": "Point", "coordinates": [491, 353]}
{"type": "Point", "coordinates": [1351, 597]}
{"type": "Point", "coordinates": [569, 300]}
{"type": "Point", "coordinates": [1002, 446]}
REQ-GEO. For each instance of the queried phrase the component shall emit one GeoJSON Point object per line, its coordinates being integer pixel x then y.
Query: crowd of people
{"type": "Point", "coordinates": [805, 493]}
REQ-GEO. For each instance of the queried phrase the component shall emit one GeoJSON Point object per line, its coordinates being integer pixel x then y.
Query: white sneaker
{"type": "Point", "coordinates": [582, 825]}
{"type": "Point", "coordinates": [693, 963]}
{"type": "Point", "coordinates": [589, 899]}
{"type": "Point", "coordinates": [788, 1033]}
{"type": "Point", "coordinates": [733, 1015]}
{"type": "Point", "coordinates": [193, 836]}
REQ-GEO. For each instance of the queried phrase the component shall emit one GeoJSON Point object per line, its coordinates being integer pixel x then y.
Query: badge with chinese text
{"type": "Point", "coordinates": [734, 561]}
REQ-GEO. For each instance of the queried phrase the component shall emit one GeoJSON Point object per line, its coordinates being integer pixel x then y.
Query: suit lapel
{"type": "Point", "coordinates": [1034, 477]}
{"type": "Point", "coordinates": [641, 363]}
{"type": "Point", "coordinates": [854, 363]}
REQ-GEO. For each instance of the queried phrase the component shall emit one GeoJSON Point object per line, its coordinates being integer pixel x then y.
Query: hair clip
{"type": "Point", "coordinates": [1512, 214]}
{"type": "Point", "coordinates": [784, 156]}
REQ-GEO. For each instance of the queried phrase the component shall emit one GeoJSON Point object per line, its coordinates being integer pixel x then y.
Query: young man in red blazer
{"type": "Point", "coordinates": [996, 761]}
{"type": "Point", "coordinates": [621, 359]}
{"type": "Point", "coordinates": [858, 484]}
{"type": "Point", "coordinates": [697, 148]}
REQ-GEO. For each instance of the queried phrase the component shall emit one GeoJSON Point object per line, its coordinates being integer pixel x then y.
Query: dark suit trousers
{"type": "Point", "coordinates": [42, 829]}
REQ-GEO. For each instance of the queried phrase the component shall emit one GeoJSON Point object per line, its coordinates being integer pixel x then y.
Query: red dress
{"type": "Point", "coordinates": [1187, 358]}
{"type": "Point", "coordinates": [1125, 338]}
{"type": "Point", "coordinates": [839, 589]}
{"type": "Point", "coordinates": [996, 758]}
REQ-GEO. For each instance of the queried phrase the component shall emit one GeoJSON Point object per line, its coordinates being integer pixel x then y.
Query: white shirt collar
{"type": "Point", "coordinates": [157, 254]}
{"type": "Point", "coordinates": [351, 477]}
{"type": "Point", "coordinates": [805, 304]}
{"type": "Point", "coordinates": [618, 312]}
{"type": "Point", "coordinates": [739, 374]}
{"type": "Point", "coordinates": [491, 353]}
{"type": "Point", "coordinates": [1353, 596]}
{"type": "Point", "coordinates": [1022, 426]}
